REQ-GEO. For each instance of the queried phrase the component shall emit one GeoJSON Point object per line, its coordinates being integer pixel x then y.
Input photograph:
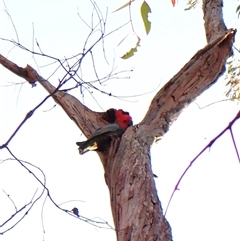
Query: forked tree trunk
{"type": "Point", "coordinates": [136, 209]}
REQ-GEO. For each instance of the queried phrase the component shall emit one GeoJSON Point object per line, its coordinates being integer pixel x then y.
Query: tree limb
{"type": "Point", "coordinates": [86, 120]}
{"type": "Point", "coordinates": [203, 70]}
{"type": "Point", "coordinates": [213, 19]}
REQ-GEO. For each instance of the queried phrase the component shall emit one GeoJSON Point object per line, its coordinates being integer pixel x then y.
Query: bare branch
{"type": "Point", "coordinates": [6, 11]}
{"type": "Point", "coordinates": [11, 200]}
{"type": "Point", "coordinates": [194, 78]}
{"type": "Point", "coordinates": [87, 120]}
{"type": "Point", "coordinates": [191, 81]}
{"type": "Point", "coordinates": [229, 127]}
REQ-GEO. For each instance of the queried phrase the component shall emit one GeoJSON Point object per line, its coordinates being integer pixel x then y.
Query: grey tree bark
{"type": "Point", "coordinates": [136, 208]}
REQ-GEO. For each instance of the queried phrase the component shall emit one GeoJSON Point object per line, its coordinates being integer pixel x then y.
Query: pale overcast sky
{"type": "Point", "coordinates": [207, 205]}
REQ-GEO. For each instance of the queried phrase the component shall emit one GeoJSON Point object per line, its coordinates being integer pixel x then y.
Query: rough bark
{"type": "Point", "coordinates": [213, 19]}
{"type": "Point", "coordinates": [136, 209]}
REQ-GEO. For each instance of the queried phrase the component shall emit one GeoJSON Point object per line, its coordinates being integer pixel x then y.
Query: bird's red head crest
{"type": "Point", "coordinates": [123, 119]}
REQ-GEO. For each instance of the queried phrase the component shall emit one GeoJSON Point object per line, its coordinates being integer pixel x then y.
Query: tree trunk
{"type": "Point", "coordinates": [136, 209]}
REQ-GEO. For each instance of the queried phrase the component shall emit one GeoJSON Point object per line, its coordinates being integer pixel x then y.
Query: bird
{"type": "Point", "coordinates": [101, 139]}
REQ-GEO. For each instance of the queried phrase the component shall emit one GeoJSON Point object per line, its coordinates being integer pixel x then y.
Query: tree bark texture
{"type": "Point", "coordinates": [137, 211]}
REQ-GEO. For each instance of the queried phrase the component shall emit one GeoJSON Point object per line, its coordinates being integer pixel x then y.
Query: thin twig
{"type": "Point", "coordinates": [11, 200]}
{"type": "Point", "coordinates": [200, 153]}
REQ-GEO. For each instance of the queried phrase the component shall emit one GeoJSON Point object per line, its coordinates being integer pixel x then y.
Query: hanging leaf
{"type": "Point", "coordinates": [132, 51]}
{"type": "Point", "coordinates": [124, 6]}
{"type": "Point", "coordinates": [145, 10]}
{"type": "Point", "coordinates": [173, 2]}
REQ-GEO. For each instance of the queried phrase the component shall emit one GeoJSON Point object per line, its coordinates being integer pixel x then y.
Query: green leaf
{"type": "Point", "coordinates": [190, 4]}
{"type": "Point", "coordinates": [130, 53]}
{"type": "Point", "coordinates": [238, 10]}
{"type": "Point", "coordinates": [124, 6]}
{"type": "Point", "coordinates": [145, 10]}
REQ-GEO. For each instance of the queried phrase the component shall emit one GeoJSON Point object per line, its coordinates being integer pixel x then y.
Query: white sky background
{"type": "Point", "coordinates": [207, 205]}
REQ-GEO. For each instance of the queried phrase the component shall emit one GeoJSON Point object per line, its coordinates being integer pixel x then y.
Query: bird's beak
{"type": "Point", "coordinates": [130, 123]}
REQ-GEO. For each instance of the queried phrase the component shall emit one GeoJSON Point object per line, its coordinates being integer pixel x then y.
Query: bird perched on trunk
{"type": "Point", "coordinates": [101, 139]}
